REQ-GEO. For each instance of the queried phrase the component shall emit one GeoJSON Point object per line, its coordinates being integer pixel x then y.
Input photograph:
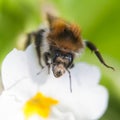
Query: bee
{"type": "Point", "coordinates": [58, 44]}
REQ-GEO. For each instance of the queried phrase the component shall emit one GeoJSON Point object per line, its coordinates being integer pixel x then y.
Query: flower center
{"type": "Point", "coordinates": [40, 105]}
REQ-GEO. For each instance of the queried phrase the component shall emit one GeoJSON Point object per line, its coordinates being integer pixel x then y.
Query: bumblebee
{"type": "Point", "coordinates": [58, 44]}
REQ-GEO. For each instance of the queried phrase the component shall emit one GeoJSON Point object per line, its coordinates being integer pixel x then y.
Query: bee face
{"type": "Point", "coordinates": [58, 70]}
{"type": "Point", "coordinates": [61, 62]}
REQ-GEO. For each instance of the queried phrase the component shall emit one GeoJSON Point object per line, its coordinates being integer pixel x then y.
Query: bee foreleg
{"type": "Point", "coordinates": [46, 59]}
{"type": "Point", "coordinates": [70, 80]}
{"type": "Point", "coordinates": [72, 66]}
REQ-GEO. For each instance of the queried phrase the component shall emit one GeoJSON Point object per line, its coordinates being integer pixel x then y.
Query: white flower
{"type": "Point", "coordinates": [88, 100]}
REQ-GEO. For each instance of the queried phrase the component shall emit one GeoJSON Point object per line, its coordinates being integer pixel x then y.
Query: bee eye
{"type": "Point", "coordinates": [69, 56]}
{"type": "Point", "coordinates": [57, 53]}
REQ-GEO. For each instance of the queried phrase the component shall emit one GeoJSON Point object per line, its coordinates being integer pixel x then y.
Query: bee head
{"type": "Point", "coordinates": [61, 62]}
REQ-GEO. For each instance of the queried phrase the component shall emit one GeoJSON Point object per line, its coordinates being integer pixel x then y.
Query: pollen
{"type": "Point", "coordinates": [39, 105]}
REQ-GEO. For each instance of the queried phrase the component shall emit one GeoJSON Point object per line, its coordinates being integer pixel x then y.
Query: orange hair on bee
{"type": "Point", "coordinates": [64, 35]}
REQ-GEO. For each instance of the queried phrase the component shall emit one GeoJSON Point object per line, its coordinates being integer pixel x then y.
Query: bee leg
{"type": "Point", "coordinates": [72, 66]}
{"type": "Point", "coordinates": [28, 40]}
{"type": "Point", "coordinates": [38, 38]}
{"type": "Point", "coordinates": [39, 56]}
{"type": "Point", "coordinates": [93, 48]}
{"type": "Point", "coordinates": [70, 80]}
{"type": "Point", "coordinates": [49, 69]}
{"type": "Point", "coordinates": [46, 59]}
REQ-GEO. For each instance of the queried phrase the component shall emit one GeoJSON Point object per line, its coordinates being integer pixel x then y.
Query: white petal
{"type": "Point", "coordinates": [21, 73]}
{"type": "Point", "coordinates": [59, 115]}
{"type": "Point", "coordinates": [35, 117]}
{"type": "Point", "coordinates": [10, 108]}
{"type": "Point", "coordinates": [23, 90]}
{"type": "Point", "coordinates": [27, 87]}
{"type": "Point", "coordinates": [86, 104]}
{"type": "Point", "coordinates": [14, 68]}
{"type": "Point", "coordinates": [86, 74]}
{"type": "Point", "coordinates": [35, 70]}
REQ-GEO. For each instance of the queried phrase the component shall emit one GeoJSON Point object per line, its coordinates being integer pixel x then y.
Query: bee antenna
{"type": "Point", "coordinates": [70, 80]}
{"type": "Point", "coordinates": [93, 48]}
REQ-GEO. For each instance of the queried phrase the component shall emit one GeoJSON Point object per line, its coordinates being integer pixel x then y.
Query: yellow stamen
{"type": "Point", "coordinates": [39, 105]}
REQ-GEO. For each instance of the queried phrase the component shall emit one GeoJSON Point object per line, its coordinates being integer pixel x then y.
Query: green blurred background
{"type": "Point", "coordinates": [100, 23]}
